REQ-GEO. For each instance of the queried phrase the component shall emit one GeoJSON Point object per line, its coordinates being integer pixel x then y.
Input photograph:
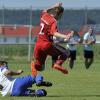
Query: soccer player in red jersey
{"type": "Point", "coordinates": [44, 45]}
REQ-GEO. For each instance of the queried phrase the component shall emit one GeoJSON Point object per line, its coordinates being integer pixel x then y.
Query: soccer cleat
{"type": "Point", "coordinates": [37, 93]}
{"type": "Point", "coordinates": [45, 83]}
{"type": "Point", "coordinates": [60, 68]}
{"type": "Point", "coordinates": [40, 92]}
{"type": "Point", "coordinates": [33, 70]}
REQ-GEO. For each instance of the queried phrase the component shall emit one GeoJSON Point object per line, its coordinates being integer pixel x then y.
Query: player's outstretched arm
{"type": "Point", "coordinates": [12, 73]}
{"type": "Point", "coordinates": [56, 5]}
{"type": "Point", "coordinates": [59, 35]}
{"type": "Point", "coordinates": [87, 42]}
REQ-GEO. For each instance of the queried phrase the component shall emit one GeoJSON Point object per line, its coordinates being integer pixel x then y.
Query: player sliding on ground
{"type": "Point", "coordinates": [19, 86]}
{"type": "Point", "coordinates": [44, 45]}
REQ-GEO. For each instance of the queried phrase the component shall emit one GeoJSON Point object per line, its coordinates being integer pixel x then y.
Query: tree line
{"type": "Point", "coordinates": [71, 18]}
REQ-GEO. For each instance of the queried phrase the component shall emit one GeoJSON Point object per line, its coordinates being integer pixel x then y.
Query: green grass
{"type": "Point", "coordinates": [79, 84]}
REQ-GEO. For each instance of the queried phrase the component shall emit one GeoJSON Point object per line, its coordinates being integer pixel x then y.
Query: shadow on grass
{"type": "Point", "coordinates": [57, 96]}
{"type": "Point", "coordinates": [73, 95]}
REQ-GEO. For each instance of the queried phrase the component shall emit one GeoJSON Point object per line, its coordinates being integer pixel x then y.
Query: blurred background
{"type": "Point", "coordinates": [19, 24]}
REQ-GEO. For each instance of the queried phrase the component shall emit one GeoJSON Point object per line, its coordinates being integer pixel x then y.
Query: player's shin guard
{"type": "Point", "coordinates": [33, 69]}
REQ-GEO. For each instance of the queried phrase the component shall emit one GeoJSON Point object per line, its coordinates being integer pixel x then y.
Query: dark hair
{"type": "Point", "coordinates": [56, 10]}
{"type": "Point", "coordinates": [59, 10]}
{"type": "Point", "coordinates": [2, 62]}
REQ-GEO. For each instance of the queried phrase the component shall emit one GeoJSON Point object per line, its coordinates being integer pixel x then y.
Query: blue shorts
{"type": "Point", "coordinates": [21, 85]}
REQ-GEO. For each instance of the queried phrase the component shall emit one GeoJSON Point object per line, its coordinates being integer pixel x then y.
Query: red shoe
{"type": "Point", "coordinates": [33, 70]}
{"type": "Point", "coordinates": [60, 68]}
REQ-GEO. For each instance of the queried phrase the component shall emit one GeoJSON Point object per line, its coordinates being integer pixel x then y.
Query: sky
{"type": "Point", "coordinates": [39, 4]}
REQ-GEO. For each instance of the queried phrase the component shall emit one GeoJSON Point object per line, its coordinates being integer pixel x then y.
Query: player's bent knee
{"type": "Point", "coordinates": [39, 67]}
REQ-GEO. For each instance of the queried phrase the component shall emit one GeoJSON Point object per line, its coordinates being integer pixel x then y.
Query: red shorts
{"type": "Point", "coordinates": [43, 49]}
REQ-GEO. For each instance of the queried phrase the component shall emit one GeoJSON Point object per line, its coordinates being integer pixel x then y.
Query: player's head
{"type": "Point", "coordinates": [3, 63]}
{"type": "Point", "coordinates": [75, 33]}
{"type": "Point", "coordinates": [90, 30]}
{"type": "Point", "coordinates": [56, 12]}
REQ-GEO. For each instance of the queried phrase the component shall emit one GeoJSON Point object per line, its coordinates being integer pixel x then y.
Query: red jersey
{"type": "Point", "coordinates": [48, 26]}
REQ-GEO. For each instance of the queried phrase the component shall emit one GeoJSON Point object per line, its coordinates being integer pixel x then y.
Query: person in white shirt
{"type": "Point", "coordinates": [19, 86]}
{"type": "Point", "coordinates": [88, 41]}
{"type": "Point", "coordinates": [71, 45]}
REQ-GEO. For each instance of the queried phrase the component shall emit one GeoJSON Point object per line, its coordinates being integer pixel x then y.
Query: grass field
{"type": "Point", "coordinates": [79, 84]}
